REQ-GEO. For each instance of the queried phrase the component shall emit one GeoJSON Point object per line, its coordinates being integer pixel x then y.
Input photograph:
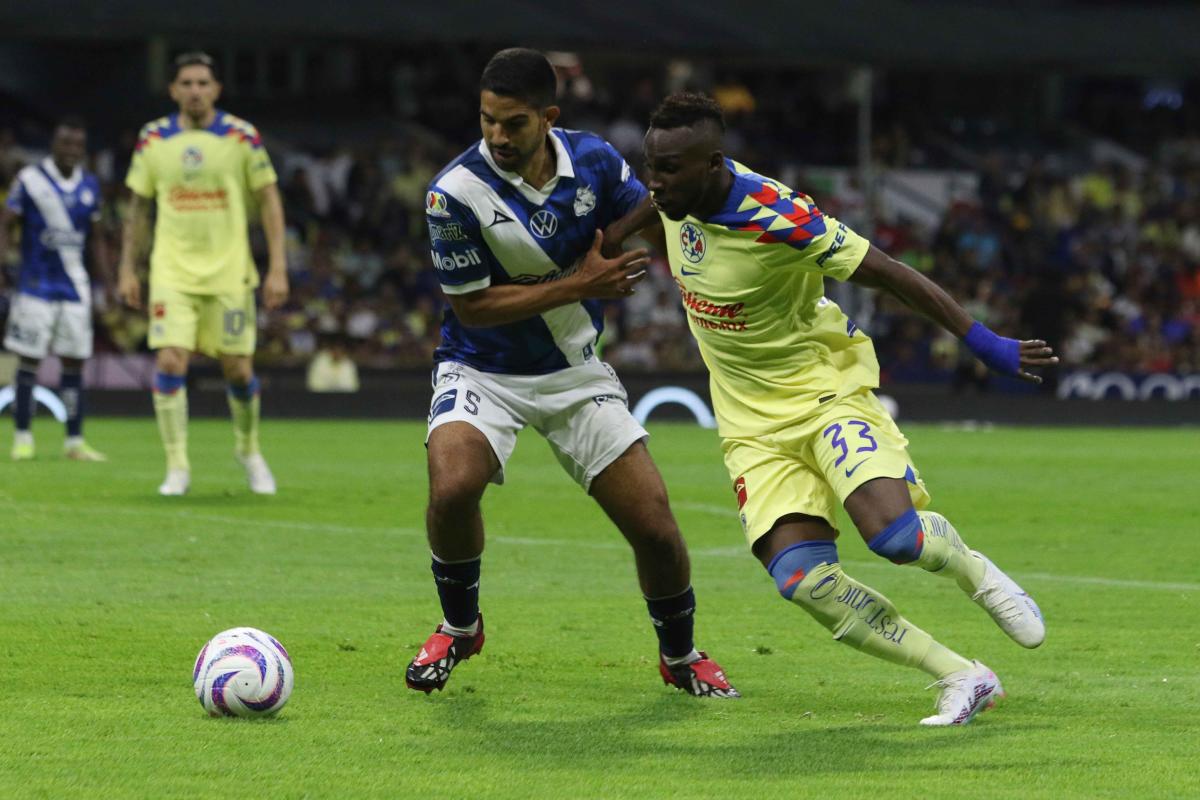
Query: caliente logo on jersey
{"type": "Point", "coordinates": [691, 241]}
{"type": "Point", "coordinates": [543, 224]}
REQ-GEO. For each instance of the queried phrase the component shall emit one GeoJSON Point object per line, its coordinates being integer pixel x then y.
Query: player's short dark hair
{"type": "Point", "coordinates": [72, 121]}
{"type": "Point", "coordinates": [194, 58]}
{"type": "Point", "coordinates": [685, 109]}
{"type": "Point", "coordinates": [521, 73]}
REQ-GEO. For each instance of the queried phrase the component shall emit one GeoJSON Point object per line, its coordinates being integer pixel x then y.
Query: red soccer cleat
{"type": "Point", "coordinates": [440, 654]}
{"type": "Point", "coordinates": [703, 678]}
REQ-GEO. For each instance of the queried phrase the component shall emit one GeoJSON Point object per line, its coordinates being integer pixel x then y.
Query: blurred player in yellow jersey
{"type": "Point", "coordinates": [205, 169]}
{"type": "Point", "coordinates": [792, 382]}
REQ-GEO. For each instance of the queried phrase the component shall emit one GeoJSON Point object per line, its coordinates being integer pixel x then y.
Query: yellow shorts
{"type": "Point", "coordinates": [213, 324]}
{"type": "Point", "coordinates": [812, 466]}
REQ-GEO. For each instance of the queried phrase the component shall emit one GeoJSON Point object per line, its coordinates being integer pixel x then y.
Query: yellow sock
{"type": "Point", "coordinates": [244, 405]}
{"type": "Point", "coordinates": [866, 620]}
{"type": "Point", "coordinates": [171, 410]}
{"type": "Point", "coordinates": [943, 552]}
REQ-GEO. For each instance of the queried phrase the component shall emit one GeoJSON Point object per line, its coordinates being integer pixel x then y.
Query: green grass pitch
{"type": "Point", "coordinates": [107, 592]}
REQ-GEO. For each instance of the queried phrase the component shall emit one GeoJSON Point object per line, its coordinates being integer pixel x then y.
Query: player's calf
{"type": "Point", "coordinates": [928, 540]}
{"type": "Point", "coordinates": [809, 575]}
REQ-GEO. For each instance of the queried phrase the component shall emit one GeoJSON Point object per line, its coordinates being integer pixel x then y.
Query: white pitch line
{"type": "Point", "coordinates": [709, 552]}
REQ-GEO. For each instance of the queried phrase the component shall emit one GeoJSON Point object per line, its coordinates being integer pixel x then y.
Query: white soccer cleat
{"type": "Point", "coordinates": [258, 474]}
{"type": "Point", "coordinates": [1010, 606]}
{"type": "Point", "coordinates": [82, 451]}
{"type": "Point", "coordinates": [964, 694]}
{"type": "Point", "coordinates": [176, 483]}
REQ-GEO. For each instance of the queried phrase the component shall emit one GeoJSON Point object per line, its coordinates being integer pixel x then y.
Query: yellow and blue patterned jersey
{"type": "Point", "coordinates": [203, 180]}
{"type": "Point", "coordinates": [752, 282]}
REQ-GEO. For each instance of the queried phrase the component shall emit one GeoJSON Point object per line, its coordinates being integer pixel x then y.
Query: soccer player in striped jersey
{"type": "Point", "coordinates": [514, 227]}
{"type": "Point", "coordinates": [204, 168]}
{"type": "Point", "coordinates": [792, 380]}
{"type": "Point", "coordinates": [56, 202]}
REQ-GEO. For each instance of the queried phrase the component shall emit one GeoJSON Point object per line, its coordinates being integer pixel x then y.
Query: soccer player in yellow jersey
{"type": "Point", "coordinates": [204, 168]}
{"type": "Point", "coordinates": [792, 382]}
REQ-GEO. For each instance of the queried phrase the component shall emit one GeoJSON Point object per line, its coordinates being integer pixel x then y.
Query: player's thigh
{"type": "Point", "coordinates": [633, 495]}
{"type": "Point", "coordinates": [228, 325]}
{"type": "Point", "coordinates": [174, 318]}
{"type": "Point", "coordinates": [73, 331]}
{"type": "Point", "coordinates": [481, 401]}
{"type": "Point", "coordinates": [772, 484]}
{"type": "Point", "coordinates": [30, 327]}
{"type": "Point", "coordinates": [583, 414]}
{"type": "Point", "coordinates": [856, 442]}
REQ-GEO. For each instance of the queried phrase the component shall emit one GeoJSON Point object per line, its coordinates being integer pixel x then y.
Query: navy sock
{"type": "Point", "coordinates": [674, 621]}
{"type": "Point", "coordinates": [70, 389]}
{"type": "Point", "coordinates": [23, 406]}
{"type": "Point", "coordinates": [458, 589]}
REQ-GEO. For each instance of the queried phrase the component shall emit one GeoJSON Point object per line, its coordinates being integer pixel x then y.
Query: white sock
{"type": "Point", "coordinates": [22, 437]}
{"type": "Point", "coordinates": [72, 442]}
{"type": "Point", "coordinates": [470, 630]}
{"type": "Point", "coordinates": [690, 658]}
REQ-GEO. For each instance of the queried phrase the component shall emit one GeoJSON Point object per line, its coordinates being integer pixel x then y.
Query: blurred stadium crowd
{"type": "Point", "coordinates": [1097, 251]}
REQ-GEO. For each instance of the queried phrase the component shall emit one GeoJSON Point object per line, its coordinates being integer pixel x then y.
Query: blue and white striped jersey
{"type": "Point", "coordinates": [488, 227]}
{"type": "Point", "coordinates": [56, 216]}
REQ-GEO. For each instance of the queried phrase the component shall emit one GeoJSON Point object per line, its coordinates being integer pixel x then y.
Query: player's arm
{"type": "Point", "coordinates": [644, 219]}
{"type": "Point", "coordinates": [135, 241]}
{"type": "Point", "coordinates": [596, 277]}
{"type": "Point", "coordinates": [7, 218]}
{"type": "Point", "coordinates": [880, 271]}
{"type": "Point", "coordinates": [101, 267]}
{"type": "Point", "coordinates": [275, 285]}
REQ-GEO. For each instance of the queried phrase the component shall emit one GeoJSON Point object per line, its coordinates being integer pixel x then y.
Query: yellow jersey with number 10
{"type": "Point", "coordinates": [203, 180]}
{"type": "Point", "coordinates": [752, 282]}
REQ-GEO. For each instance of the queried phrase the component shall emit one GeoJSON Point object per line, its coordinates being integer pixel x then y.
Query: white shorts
{"type": "Point", "coordinates": [582, 412]}
{"type": "Point", "coordinates": [37, 328]}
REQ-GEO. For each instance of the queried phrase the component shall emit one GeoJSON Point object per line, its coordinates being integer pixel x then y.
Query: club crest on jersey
{"type": "Point", "coordinates": [691, 241]}
{"type": "Point", "coordinates": [87, 197]}
{"type": "Point", "coordinates": [585, 200]}
{"type": "Point", "coordinates": [436, 205]}
{"type": "Point", "coordinates": [193, 159]}
{"type": "Point", "coordinates": [543, 224]}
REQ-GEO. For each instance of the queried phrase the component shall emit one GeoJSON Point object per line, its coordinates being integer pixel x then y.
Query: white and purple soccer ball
{"type": "Point", "coordinates": [243, 672]}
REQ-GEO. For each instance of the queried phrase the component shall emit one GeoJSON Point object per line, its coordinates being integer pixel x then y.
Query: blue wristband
{"type": "Point", "coordinates": [1000, 354]}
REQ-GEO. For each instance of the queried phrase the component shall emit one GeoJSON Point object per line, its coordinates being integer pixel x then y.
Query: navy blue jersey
{"type": "Point", "coordinates": [488, 227]}
{"type": "Point", "coordinates": [56, 216]}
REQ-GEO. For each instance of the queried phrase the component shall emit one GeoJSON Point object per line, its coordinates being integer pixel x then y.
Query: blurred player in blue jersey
{"type": "Point", "coordinates": [56, 202]}
{"type": "Point", "coordinates": [514, 225]}
{"type": "Point", "coordinates": [792, 378]}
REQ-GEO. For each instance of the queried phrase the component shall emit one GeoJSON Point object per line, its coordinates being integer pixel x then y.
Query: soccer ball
{"type": "Point", "coordinates": [243, 672]}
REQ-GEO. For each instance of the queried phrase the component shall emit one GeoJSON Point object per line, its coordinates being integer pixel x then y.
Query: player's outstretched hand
{"type": "Point", "coordinates": [129, 289]}
{"type": "Point", "coordinates": [610, 278]}
{"type": "Point", "coordinates": [275, 290]}
{"type": "Point", "coordinates": [1035, 353]}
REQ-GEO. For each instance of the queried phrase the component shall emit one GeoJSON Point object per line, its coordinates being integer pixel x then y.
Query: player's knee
{"type": "Point", "coordinates": [901, 541]}
{"type": "Point", "coordinates": [450, 493]}
{"type": "Point", "coordinates": [791, 565]}
{"type": "Point", "coordinates": [172, 361]}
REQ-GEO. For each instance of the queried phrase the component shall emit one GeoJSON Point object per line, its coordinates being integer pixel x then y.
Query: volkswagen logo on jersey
{"type": "Point", "coordinates": [193, 159]}
{"type": "Point", "coordinates": [585, 200]}
{"type": "Point", "coordinates": [436, 205]}
{"type": "Point", "coordinates": [691, 240]}
{"type": "Point", "coordinates": [543, 224]}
